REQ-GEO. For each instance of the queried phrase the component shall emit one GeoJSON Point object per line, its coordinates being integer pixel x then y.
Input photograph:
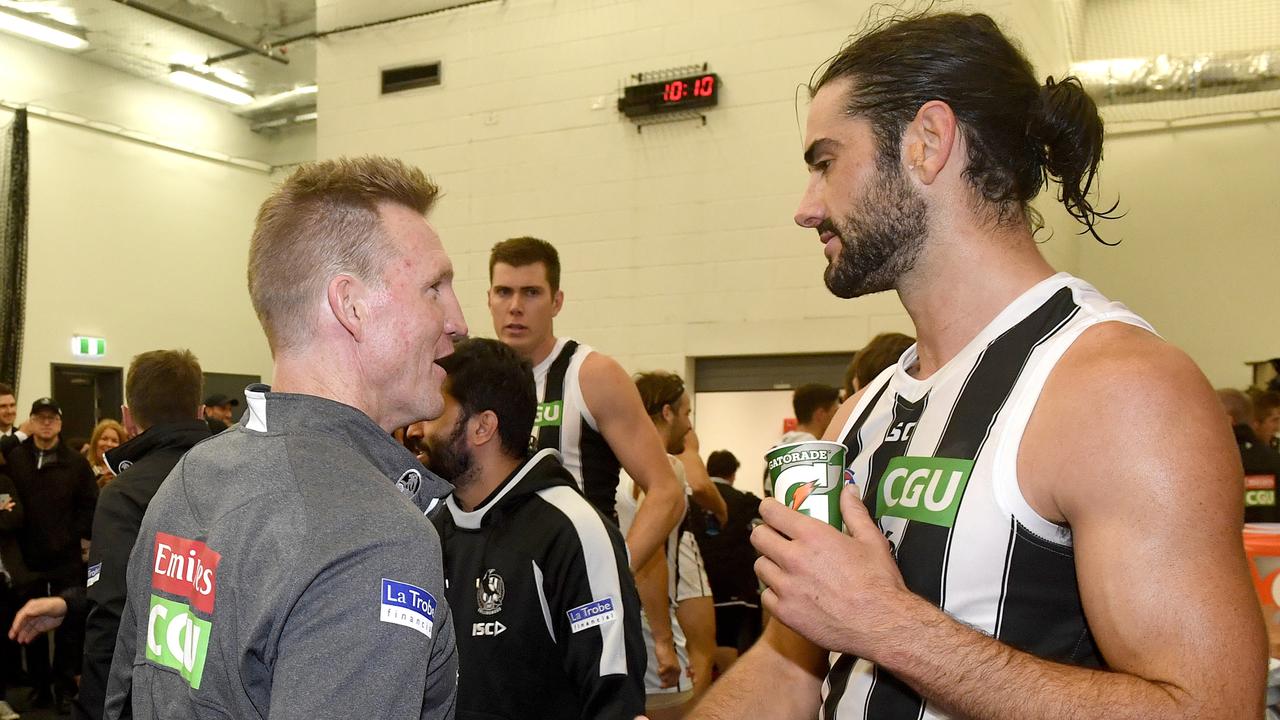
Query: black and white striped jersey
{"type": "Point", "coordinates": [936, 461]}
{"type": "Point", "coordinates": [565, 424]}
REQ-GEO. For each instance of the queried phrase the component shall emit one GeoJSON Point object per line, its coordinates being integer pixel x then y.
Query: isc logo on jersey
{"type": "Point", "coordinates": [176, 637]}
{"type": "Point", "coordinates": [925, 489]}
{"type": "Point", "coordinates": [549, 413]}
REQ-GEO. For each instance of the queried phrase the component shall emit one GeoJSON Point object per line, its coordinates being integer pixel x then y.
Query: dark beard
{"type": "Point", "coordinates": [881, 237]}
{"type": "Point", "coordinates": [450, 458]}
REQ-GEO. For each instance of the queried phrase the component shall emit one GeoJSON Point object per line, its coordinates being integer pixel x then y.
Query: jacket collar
{"type": "Point", "coordinates": [183, 434]}
{"type": "Point", "coordinates": [538, 472]}
{"type": "Point", "coordinates": [275, 413]}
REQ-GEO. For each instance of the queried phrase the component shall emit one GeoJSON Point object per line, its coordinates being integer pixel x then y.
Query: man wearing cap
{"type": "Point", "coordinates": [217, 412]}
{"type": "Point", "coordinates": [58, 494]}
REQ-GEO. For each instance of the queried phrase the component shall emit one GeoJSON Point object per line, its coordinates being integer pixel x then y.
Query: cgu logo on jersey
{"type": "Point", "coordinates": [549, 413]}
{"type": "Point", "coordinates": [1259, 490]}
{"type": "Point", "coordinates": [186, 568]}
{"type": "Point", "coordinates": [177, 639]}
{"type": "Point", "coordinates": [926, 489]}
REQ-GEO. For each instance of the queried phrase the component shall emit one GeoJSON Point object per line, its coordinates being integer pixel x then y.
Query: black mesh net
{"type": "Point", "coordinates": [13, 246]}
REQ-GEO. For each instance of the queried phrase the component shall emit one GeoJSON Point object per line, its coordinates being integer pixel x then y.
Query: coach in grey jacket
{"type": "Point", "coordinates": [285, 569]}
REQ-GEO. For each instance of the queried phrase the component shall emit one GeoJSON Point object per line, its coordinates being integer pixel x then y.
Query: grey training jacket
{"type": "Point", "coordinates": [285, 570]}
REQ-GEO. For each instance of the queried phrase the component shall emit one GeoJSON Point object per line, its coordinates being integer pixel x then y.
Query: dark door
{"type": "Point", "coordinates": [87, 394]}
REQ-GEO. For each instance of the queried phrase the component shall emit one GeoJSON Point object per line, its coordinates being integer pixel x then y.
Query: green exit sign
{"type": "Point", "coordinates": [85, 346]}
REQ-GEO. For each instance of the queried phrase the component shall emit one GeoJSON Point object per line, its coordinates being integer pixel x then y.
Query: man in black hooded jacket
{"type": "Point", "coordinates": [162, 392]}
{"type": "Point", "coordinates": [544, 607]}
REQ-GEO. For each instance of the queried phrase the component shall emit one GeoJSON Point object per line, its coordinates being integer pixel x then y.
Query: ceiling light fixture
{"type": "Point", "coordinates": [208, 84]}
{"type": "Point", "coordinates": [35, 27]}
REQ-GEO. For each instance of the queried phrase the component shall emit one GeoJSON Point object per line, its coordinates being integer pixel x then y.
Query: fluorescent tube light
{"type": "Point", "coordinates": [34, 27]}
{"type": "Point", "coordinates": [209, 85]}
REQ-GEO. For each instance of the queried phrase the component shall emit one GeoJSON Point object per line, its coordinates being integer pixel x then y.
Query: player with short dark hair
{"type": "Point", "coordinates": [544, 608]}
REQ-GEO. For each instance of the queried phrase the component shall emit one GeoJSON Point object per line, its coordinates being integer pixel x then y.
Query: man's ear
{"type": "Point", "coordinates": [482, 428]}
{"type": "Point", "coordinates": [130, 426]}
{"type": "Point", "coordinates": [348, 303]}
{"type": "Point", "coordinates": [668, 414]}
{"type": "Point", "coordinates": [557, 302]}
{"type": "Point", "coordinates": [928, 141]}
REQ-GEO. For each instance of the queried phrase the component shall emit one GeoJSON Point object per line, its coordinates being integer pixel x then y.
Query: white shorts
{"type": "Point", "coordinates": [691, 573]}
{"type": "Point", "coordinates": [652, 684]}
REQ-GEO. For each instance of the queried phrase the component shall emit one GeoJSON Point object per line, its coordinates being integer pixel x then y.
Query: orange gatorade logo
{"type": "Point", "coordinates": [186, 568]}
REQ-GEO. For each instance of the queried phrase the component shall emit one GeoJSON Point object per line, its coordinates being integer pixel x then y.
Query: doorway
{"type": "Point", "coordinates": [743, 404]}
{"type": "Point", "coordinates": [86, 394]}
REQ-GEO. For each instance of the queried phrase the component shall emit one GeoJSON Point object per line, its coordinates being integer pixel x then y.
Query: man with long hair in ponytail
{"type": "Point", "coordinates": [1042, 508]}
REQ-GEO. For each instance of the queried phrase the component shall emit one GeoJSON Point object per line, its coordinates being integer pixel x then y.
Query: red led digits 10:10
{"type": "Point", "coordinates": [678, 90]}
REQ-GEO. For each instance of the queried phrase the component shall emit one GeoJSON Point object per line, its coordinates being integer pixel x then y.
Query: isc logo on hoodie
{"type": "Point", "coordinates": [176, 637]}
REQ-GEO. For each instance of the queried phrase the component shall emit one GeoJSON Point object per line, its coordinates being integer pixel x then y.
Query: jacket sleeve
{"type": "Point", "coordinates": [86, 499]}
{"type": "Point", "coordinates": [118, 701]}
{"type": "Point", "coordinates": [367, 619]}
{"type": "Point", "coordinates": [595, 613]}
{"type": "Point", "coordinates": [115, 529]}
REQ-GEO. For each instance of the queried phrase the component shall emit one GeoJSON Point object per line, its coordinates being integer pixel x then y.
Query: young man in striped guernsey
{"type": "Point", "coordinates": [1050, 501]}
{"type": "Point", "coordinates": [588, 409]}
{"type": "Point", "coordinates": [544, 608]}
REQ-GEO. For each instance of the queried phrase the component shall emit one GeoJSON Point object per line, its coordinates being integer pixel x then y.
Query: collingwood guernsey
{"type": "Point", "coordinates": [936, 461]}
{"type": "Point", "coordinates": [565, 424]}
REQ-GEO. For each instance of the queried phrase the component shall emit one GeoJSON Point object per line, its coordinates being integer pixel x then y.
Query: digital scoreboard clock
{"type": "Point", "coordinates": [668, 96]}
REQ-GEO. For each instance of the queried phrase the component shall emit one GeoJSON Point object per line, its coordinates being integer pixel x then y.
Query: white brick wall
{"type": "Point", "coordinates": [676, 242]}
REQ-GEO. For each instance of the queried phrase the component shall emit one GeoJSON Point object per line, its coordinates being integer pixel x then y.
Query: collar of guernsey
{"type": "Point", "coordinates": [274, 413]}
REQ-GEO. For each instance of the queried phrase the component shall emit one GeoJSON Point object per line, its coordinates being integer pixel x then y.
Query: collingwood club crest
{"type": "Point", "coordinates": [409, 482]}
{"type": "Point", "coordinates": [489, 592]}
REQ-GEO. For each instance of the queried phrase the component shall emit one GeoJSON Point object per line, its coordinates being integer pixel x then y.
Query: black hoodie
{"type": "Point", "coordinates": [544, 606]}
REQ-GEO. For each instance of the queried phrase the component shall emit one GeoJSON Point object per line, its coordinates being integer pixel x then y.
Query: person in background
{"type": "Point", "coordinates": [728, 556]}
{"type": "Point", "coordinates": [162, 413]}
{"type": "Point", "coordinates": [10, 435]}
{"type": "Point", "coordinates": [814, 405]}
{"type": "Point", "coordinates": [675, 580]}
{"type": "Point", "coordinates": [1260, 461]}
{"type": "Point", "coordinates": [880, 353]}
{"type": "Point", "coordinates": [11, 575]}
{"type": "Point", "coordinates": [1266, 416]}
{"type": "Point", "coordinates": [58, 494]}
{"type": "Point", "coordinates": [107, 434]}
{"type": "Point", "coordinates": [218, 413]}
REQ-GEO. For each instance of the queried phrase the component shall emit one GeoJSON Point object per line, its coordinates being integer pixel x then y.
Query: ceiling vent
{"type": "Point", "coordinates": [412, 77]}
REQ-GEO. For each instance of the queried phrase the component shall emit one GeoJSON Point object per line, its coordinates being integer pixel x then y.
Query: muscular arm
{"type": "Point", "coordinates": [701, 488]}
{"type": "Point", "coordinates": [615, 404]}
{"type": "Point", "coordinates": [780, 659]}
{"type": "Point", "coordinates": [652, 581]}
{"type": "Point", "coordinates": [780, 678]}
{"type": "Point", "coordinates": [1128, 448]}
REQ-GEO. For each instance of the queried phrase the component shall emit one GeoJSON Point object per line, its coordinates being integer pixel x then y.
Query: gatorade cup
{"type": "Point", "coordinates": [807, 477]}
